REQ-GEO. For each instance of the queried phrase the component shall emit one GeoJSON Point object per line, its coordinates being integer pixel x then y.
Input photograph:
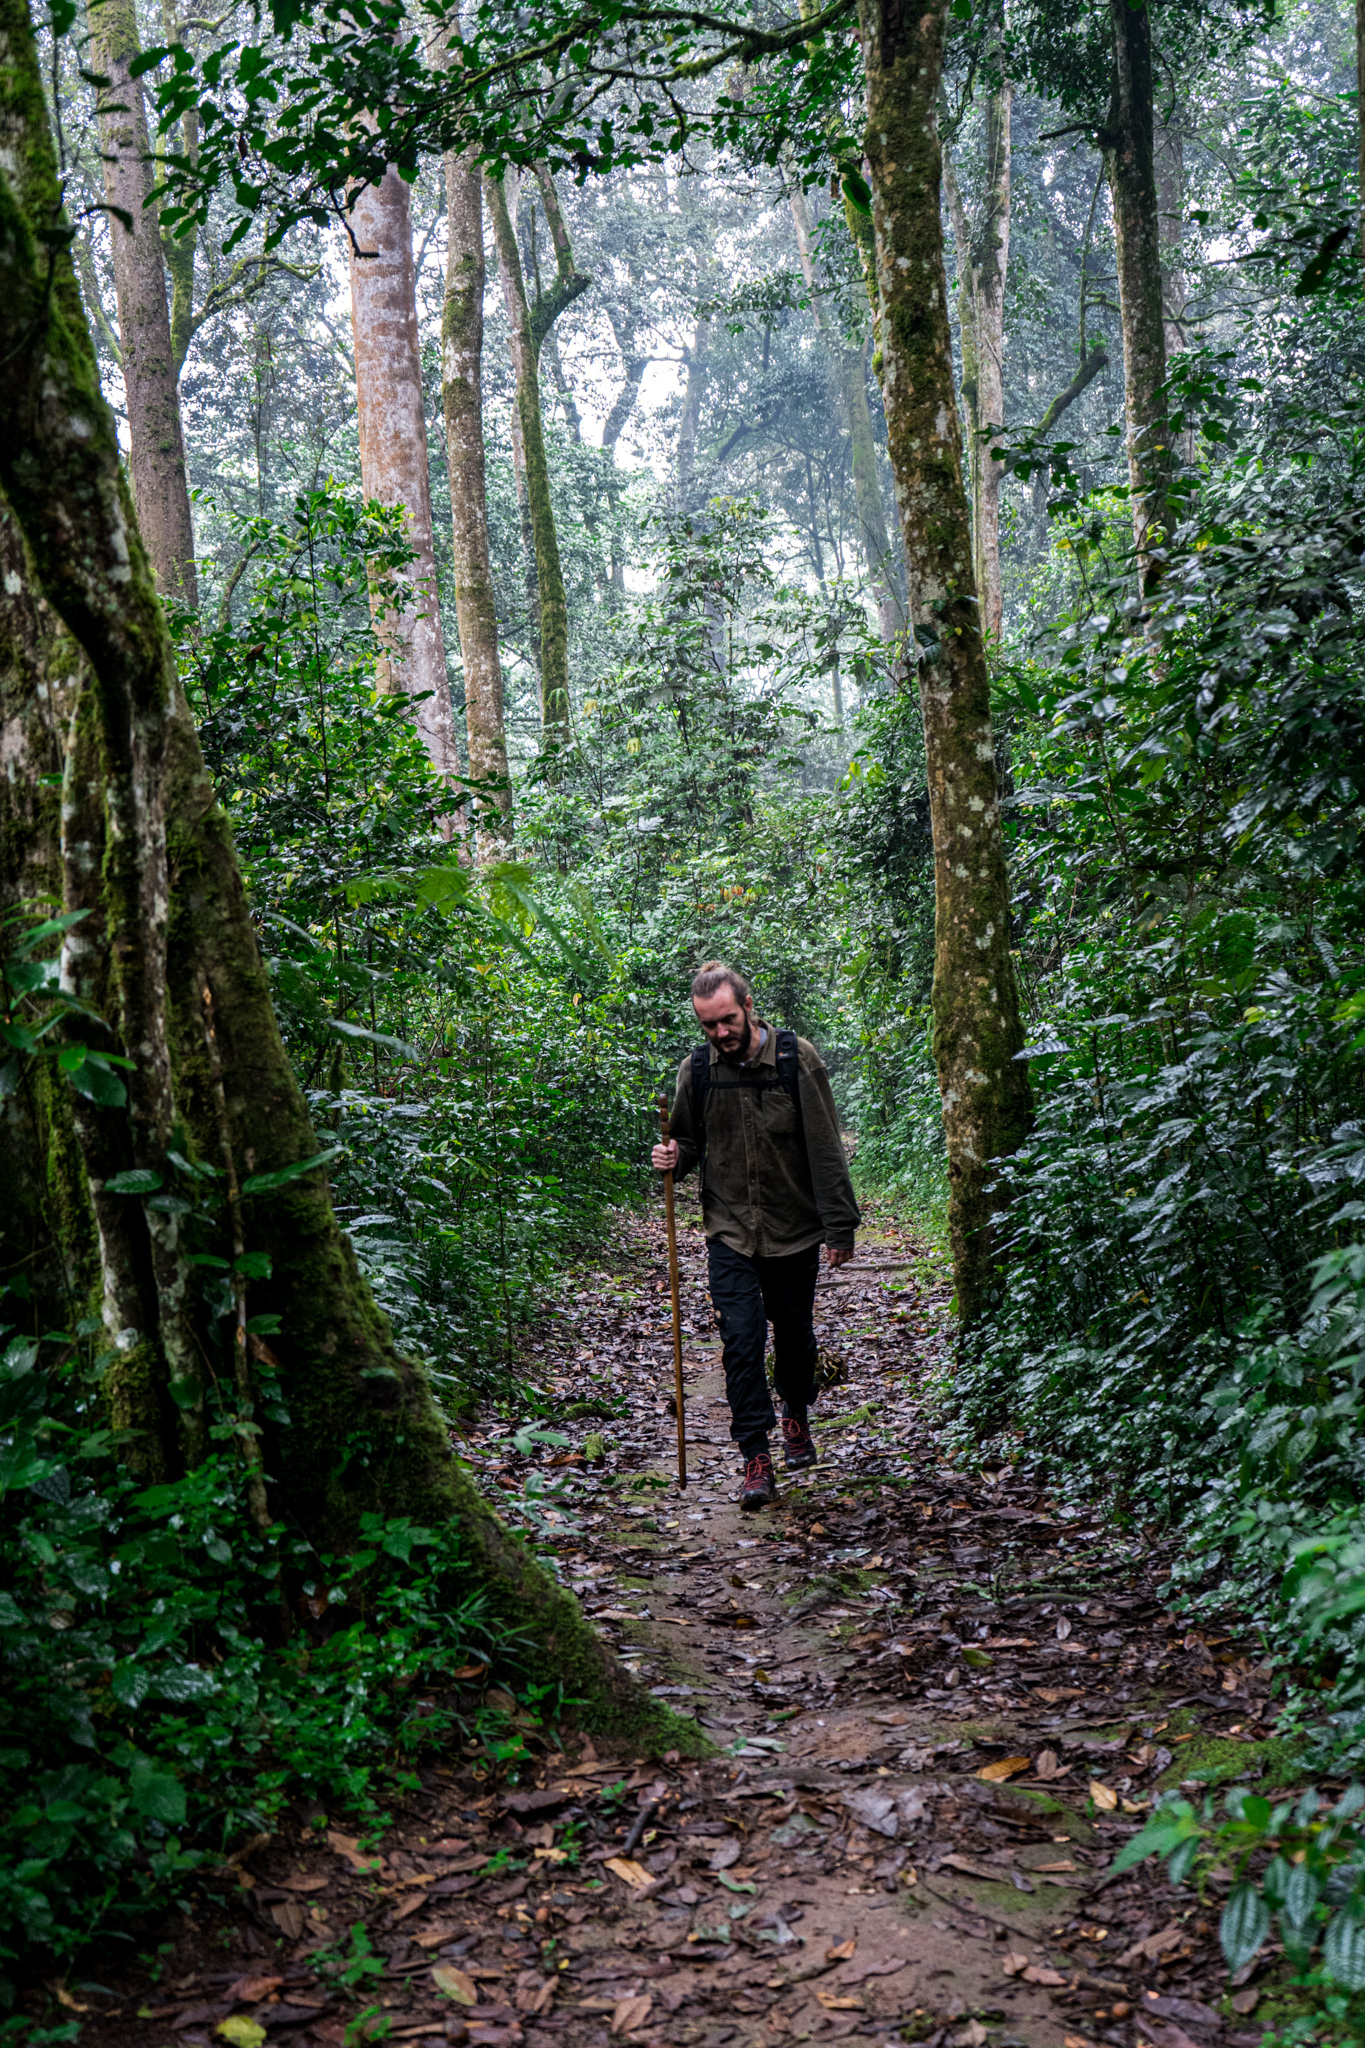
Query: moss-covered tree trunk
{"type": "Point", "coordinates": [552, 601]}
{"type": "Point", "coordinates": [977, 1035]}
{"type": "Point", "coordinates": [171, 941]}
{"type": "Point", "coordinates": [393, 454]}
{"type": "Point", "coordinates": [462, 397]}
{"type": "Point", "coordinates": [850, 371]}
{"type": "Point", "coordinates": [1129, 167]}
{"type": "Point", "coordinates": [156, 442]}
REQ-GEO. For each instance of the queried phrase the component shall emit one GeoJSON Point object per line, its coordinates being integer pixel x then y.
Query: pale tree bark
{"type": "Point", "coordinates": [977, 1033]}
{"type": "Point", "coordinates": [393, 455]}
{"type": "Point", "coordinates": [156, 439]}
{"type": "Point", "coordinates": [690, 422]}
{"type": "Point", "coordinates": [1128, 163]}
{"type": "Point", "coordinates": [1360, 118]}
{"type": "Point", "coordinates": [172, 925]}
{"type": "Point", "coordinates": [982, 267]}
{"type": "Point", "coordinates": [1168, 162]}
{"type": "Point", "coordinates": [552, 601]}
{"type": "Point", "coordinates": [850, 370]}
{"type": "Point", "coordinates": [475, 609]}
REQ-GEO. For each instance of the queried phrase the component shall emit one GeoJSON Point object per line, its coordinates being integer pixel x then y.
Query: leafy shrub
{"type": "Point", "coordinates": [158, 1698]}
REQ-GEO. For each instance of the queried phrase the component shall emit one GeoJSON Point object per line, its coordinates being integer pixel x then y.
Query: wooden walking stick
{"type": "Point", "coordinates": [677, 1303]}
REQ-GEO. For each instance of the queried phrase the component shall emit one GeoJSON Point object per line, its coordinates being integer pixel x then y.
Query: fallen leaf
{"type": "Point", "coordinates": [1075, 2041]}
{"type": "Point", "coordinates": [631, 2013]}
{"type": "Point", "coordinates": [1005, 1767]}
{"type": "Point", "coordinates": [843, 1952]}
{"type": "Point", "coordinates": [1153, 1946]}
{"type": "Point", "coordinates": [631, 1873]}
{"type": "Point", "coordinates": [287, 1915]}
{"type": "Point", "coordinates": [1063, 1628]}
{"type": "Point", "coordinates": [1053, 1695]}
{"type": "Point", "coordinates": [251, 1990]}
{"type": "Point", "coordinates": [300, 1882]}
{"type": "Point", "coordinates": [832, 2002]}
{"type": "Point", "coordinates": [349, 1847]}
{"type": "Point", "coordinates": [1012, 1964]}
{"type": "Point", "coordinates": [973, 2035]}
{"type": "Point", "coordinates": [470, 1671]}
{"type": "Point", "coordinates": [1246, 2001]}
{"type": "Point", "coordinates": [1039, 1868]}
{"type": "Point", "coordinates": [1042, 1973]}
{"type": "Point", "coordinates": [733, 1884]}
{"type": "Point", "coordinates": [724, 1854]}
{"type": "Point", "coordinates": [1103, 1797]}
{"type": "Point", "coordinates": [406, 1906]}
{"type": "Point", "coordinates": [968, 1866]}
{"type": "Point", "coordinates": [456, 1984]}
{"type": "Point", "coordinates": [1046, 1763]}
{"type": "Point", "coordinates": [240, 2032]}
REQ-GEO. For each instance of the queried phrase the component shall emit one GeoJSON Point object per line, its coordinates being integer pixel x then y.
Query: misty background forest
{"type": "Point", "coordinates": [499, 507]}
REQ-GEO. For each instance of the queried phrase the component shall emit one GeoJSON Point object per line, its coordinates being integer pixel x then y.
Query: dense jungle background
{"type": "Point", "coordinates": [553, 569]}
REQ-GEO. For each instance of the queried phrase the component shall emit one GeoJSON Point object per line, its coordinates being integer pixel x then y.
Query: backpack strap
{"type": "Point", "coordinates": [789, 1070]}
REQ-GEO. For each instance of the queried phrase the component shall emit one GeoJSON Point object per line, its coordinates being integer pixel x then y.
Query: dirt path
{"type": "Point", "coordinates": [942, 1702]}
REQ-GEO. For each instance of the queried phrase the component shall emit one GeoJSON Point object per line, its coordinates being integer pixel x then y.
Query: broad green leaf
{"type": "Point", "coordinates": [1300, 1895]}
{"type": "Point", "coordinates": [155, 1793]}
{"type": "Point", "coordinates": [263, 1183]}
{"type": "Point", "coordinates": [138, 1180]}
{"type": "Point", "coordinates": [1343, 1950]}
{"type": "Point", "coordinates": [1244, 1925]}
{"type": "Point", "coordinates": [99, 1083]}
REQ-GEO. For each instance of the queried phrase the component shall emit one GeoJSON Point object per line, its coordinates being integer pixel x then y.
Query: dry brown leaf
{"type": "Point", "coordinates": [629, 1872]}
{"type": "Point", "coordinates": [1104, 1798]}
{"type": "Point", "coordinates": [1042, 1973]}
{"type": "Point", "coordinates": [1046, 1763]}
{"type": "Point", "coordinates": [349, 1847]}
{"type": "Point", "coordinates": [1005, 1767]}
{"type": "Point", "coordinates": [287, 1915]}
{"type": "Point", "coordinates": [843, 1952]}
{"type": "Point", "coordinates": [456, 1984]}
{"type": "Point", "coordinates": [1013, 1964]}
{"type": "Point", "coordinates": [1040, 1868]}
{"type": "Point", "coordinates": [1153, 1946]}
{"type": "Point", "coordinates": [405, 1907]}
{"type": "Point", "coordinates": [833, 2002]}
{"type": "Point", "coordinates": [299, 1882]}
{"type": "Point", "coordinates": [631, 2013]}
{"type": "Point", "coordinates": [251, 1990]}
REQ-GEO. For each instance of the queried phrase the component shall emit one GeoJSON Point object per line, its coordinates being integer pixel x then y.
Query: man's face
{"type": "Point", "coordinates": [727, 1022]}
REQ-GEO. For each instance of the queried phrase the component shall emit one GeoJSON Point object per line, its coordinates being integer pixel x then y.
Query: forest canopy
{"type": "Point", "coordinates": [498, 507]}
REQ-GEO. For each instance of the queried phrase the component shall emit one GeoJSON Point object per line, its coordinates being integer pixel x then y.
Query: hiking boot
{"type": "Point", "coordinates": [798, 1443]}
{"type": "Point", "coordinates": [760, 1487]}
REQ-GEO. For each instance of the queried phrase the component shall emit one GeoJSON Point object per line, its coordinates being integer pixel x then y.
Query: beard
{"type": "Point", "coordinates": [741, 1051]}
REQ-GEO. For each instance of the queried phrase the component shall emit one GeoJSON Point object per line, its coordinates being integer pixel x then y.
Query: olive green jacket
{"type": "Point", "coordinates": [765, 1193]}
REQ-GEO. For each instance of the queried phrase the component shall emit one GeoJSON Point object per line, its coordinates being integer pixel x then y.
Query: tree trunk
{"type": "Point", "coordinates": [977, 1035]}
{"type": "Point", "coordinates": [475, 609]}
{"type": "Point", "coordinates": [1168, 162]}
{"type": "Point", "coordinates": [393, 455]}
{"type": "Point", "coordinates": [691, 415]}
{"type": "Point", "coordinates": [982, 265]}
{"type": "Point", "coordinates": [553, 602]}
{"type": "Point", "coordinates": [850, 371]}
{"type": "Point", "coordinates": [1137, 238]}
{"type": "Point", "coordinates": [172, 937]}
{"type": "Point", "coordinates": [156, 439]}
{"type": "Point", "coordinates": [1360, 117]}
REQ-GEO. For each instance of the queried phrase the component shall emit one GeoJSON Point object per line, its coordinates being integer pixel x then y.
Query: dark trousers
{"type": "Point", "coordinates": [748, 1295]}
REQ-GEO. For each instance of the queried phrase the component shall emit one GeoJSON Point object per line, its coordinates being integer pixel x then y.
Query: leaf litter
{"type": "Point", "coordinates": [938, 1698]}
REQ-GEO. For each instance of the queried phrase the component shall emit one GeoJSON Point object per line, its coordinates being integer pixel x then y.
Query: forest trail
{"type": "Point", "coordinates": [941, 1702]}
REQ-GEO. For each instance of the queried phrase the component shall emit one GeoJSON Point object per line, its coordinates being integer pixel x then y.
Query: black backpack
{"type": "Point", "coordinates": [787, 1075]}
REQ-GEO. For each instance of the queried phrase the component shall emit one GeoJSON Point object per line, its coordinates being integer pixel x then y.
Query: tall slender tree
{"type": "Point", "coordinates": [848, 361]}
{"type": "Point", "coordinates": [978, 1039]}
{"type": "Point", "coordinates": [982, 252]}
{"type": "Point", "coordinates": [529, 325]}
{"type": "Point", "coordinates": [462, 394]}
{"type": "Point", "coordinates": [393, 453]}
{"type": "Point", "coordinates": [150, 372]}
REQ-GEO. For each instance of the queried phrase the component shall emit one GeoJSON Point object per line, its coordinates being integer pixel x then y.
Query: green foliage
{"type": "Point", "coordinates": [1295, 1866]}
{"type": "Point", "coordinates": [172, 1676]}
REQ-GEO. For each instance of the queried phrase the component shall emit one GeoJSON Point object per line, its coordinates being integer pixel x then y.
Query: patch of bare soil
{"type": "Point", "coordinates": [940, 1703]}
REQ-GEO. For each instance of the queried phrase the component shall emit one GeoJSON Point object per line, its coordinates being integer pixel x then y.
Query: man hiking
{"type": "Point", "coordinates": [754, 1110]}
